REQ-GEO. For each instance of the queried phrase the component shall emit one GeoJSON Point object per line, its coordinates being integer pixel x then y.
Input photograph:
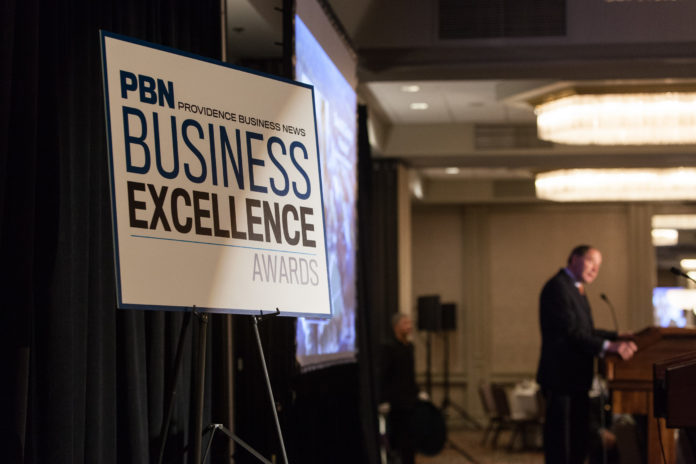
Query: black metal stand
{"type": "Point", "coordinates": [213, 427]}
{"type": "Point", "coordinates": [232, 436]}
{"type": "Point", "coordinates": [428, 367]}
{"type": "Point", "coordinates": [172, 384]}
{"type": "Point", "coordinates": [459, 450]}
{"type": "Point", "coordinates": [446, 402]}
{"type": "Point", "coordinates": [257, 319]}
{"type": "Point", "coordinates": [199, 388]}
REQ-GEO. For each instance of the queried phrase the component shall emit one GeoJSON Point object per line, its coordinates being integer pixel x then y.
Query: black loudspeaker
{"type": "Point", "coordinates": [429, 314]}
{"type": "Point", "coordinates": [449, 316]}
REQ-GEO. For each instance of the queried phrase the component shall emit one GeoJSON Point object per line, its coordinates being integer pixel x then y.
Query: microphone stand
{"type": "Point", "coordinates": [681, 273]}
{"type": "Point", "coordinates": [613, 311]}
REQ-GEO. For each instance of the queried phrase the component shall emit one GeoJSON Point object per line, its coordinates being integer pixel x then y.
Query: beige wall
{"type": "Point", "coordinates": [492, 260]}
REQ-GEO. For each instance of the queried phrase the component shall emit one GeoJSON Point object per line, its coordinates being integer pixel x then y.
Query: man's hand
{"type": "Point", "coordinates": [625, 349]}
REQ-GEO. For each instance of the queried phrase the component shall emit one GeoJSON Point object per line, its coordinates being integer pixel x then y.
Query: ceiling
{"type": "Point", "coordinates": [477, 116]}
{"type": "Point", "coordinates": [449, 102]}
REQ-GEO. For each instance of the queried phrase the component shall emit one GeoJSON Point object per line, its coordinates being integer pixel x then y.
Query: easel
{"type": "Point", "coordinates": [199, 391]}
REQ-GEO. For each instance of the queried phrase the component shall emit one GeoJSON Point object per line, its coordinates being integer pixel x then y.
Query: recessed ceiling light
{"type": "Point", "coordinates": [452, 170]}
{"type": "Point", "coordinates": [419, 106]}
{"type": "Point", "coordinates": [410, 88]}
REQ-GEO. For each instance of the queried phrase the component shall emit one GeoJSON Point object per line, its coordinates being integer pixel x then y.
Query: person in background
{"type": "Point", "coordinates": [399, 391]}
{"type": "Point", "coordinates": [569, 343]}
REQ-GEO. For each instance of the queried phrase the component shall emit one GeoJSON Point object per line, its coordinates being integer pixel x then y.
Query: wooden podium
{"type": "Point", "coordinates": [631, 383]}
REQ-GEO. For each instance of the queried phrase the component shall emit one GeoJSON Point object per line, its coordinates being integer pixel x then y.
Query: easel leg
{"type": "Point", "coordinates": [200, 382]}
{"type": "Point", "coordinates": [172, 385]}
{"type": "Point", "coordinates": [235, 438]}
{"type": "Point", "coordinates": [199, 392]}
{"type": "Point", "coordinates": [268, 384]}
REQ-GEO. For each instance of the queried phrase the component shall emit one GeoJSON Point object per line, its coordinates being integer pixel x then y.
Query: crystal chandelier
{"type": "Point", "coordinates": [617, 184]}
{"type": "Point", "coordinates": [641, 118]}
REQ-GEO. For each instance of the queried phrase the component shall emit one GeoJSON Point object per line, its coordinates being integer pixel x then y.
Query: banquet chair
{"type": "Point", "coordinates": [518, 425]}
{"type": "Point", "coordinates": [489, 407]}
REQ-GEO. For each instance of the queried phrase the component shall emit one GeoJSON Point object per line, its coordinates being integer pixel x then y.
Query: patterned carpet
{"type": "Point", "coordinates": [469, 442]}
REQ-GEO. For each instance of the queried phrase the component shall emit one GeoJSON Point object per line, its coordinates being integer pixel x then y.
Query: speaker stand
{"type": "Point", "coordinates": [446, 401]}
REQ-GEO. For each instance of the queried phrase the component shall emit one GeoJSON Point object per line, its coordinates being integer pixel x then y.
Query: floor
{"type": "Point", "coordinates": [468, 441]}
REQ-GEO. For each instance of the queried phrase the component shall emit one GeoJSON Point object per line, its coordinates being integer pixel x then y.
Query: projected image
{"type": "Point", "coordinates": [674, 306]}
{"type": "Point", "coordinates": [322, 341]}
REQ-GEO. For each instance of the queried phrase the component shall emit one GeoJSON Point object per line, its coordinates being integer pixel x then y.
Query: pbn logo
{"type": "Point", "coordinates": [150, 90]}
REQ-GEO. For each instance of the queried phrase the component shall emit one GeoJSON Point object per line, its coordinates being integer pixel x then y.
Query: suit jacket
{"type": "Point", "coordinates": [398, 376]}
{"type": "Point", "coordinates": [569, 341]}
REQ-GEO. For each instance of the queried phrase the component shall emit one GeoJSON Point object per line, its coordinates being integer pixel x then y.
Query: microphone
{"type": "Point", "coordinates": [679, 272]}
{"type": "Point", "coordinates": [613, 312]}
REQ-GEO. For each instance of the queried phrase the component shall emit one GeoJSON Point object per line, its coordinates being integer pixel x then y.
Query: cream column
{"type": "Point", "coordinates": [642, 275]}
{"type": "Point", "coordinates": [474, 314]}
{"type": "Point", "coordinates": [404, 241]}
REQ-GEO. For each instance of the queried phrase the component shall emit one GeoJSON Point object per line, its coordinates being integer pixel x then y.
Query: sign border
{"type": "Point", "coordinates": [103, 35]}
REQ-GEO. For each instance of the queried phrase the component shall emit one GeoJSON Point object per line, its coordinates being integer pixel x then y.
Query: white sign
{"type": "Point", "coordinates": [215, 185]}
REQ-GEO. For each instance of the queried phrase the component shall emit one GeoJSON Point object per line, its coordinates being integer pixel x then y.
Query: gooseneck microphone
{"type": "Point", "coordinates": [679, 272]}
{"type": "Point", "coordinates": [613, 312]}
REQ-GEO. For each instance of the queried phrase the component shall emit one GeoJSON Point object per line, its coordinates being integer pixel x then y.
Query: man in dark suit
{"type": "Point", "coordinates": [569, 343]}
{"type": "Point", "coordinates": [399, 389]}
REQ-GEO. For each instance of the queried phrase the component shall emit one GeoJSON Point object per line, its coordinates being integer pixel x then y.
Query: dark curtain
{"type": "Point", "coordinates": [254, 422]}
{"type": "Point", "coordinates": [328, 417]}
{"type": "Point", "coordinates": [330, 414]}
{"type": "Point", "coordinates": [384, 257]}
{"type": "Point", "coordinates": [333, 413]}
{"type": "Point", "coordinates": [382, 261]}
{"type": "Point", "coordinates": [87, 381]}
{"type": "Point", "coordinates": [253, 414]}
{"type": "Point", "coordinates": [370, 308]}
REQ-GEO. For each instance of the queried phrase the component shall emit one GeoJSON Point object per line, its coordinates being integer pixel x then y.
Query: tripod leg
{"type": "Point", "coordinates": [462, 452]}
{"type": "Point", "coordinates": [270, 390]}
{"type": "Point", "coordinates": [199, 388]}
{"type": "Point", "coordinates": [446, 402]}
{"type": "Point", "coordinates": [462, 412]}
{"type": "Point", "coordinates": [172, 385]}
{"type": "Point", "coordinates": [212, 428]}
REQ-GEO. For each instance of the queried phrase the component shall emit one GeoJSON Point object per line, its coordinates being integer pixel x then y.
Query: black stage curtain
{"type": "Point", "coordinates": [87, 381]}
{"type": "Point", "coordinates": [329, 419]}
{"type": "Point", "coordinates": [384, 257]}
{"type": "Point", "coordinates": [370, 309]}
{"type": "Point", "coordinates": [382, 260]}
{"type": "Point", "coordinates": [330, 414]}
